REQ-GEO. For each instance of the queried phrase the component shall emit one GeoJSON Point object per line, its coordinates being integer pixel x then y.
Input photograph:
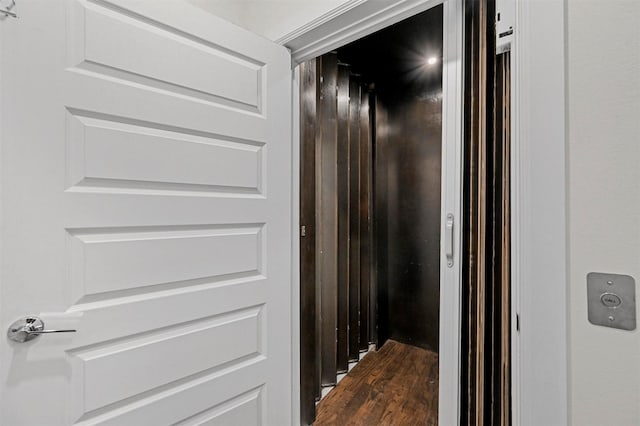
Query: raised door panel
{"type": "Point", "coordinates": [123, 260]}
{"type": "Point", "coordinates": [117, 155]}
{"type": "Point", "coordinates": [111, 372]}
{"type": "Point", "coordinates": [181, 68]}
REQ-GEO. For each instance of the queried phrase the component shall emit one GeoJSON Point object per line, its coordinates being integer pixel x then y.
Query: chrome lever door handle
{"type": "Point", "coordinates": [48, 331]}
{"type": "Point", "coordinates": [28, 328]}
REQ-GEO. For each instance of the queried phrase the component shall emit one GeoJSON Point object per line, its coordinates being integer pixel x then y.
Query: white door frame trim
{"type": "Point", "coordinates": [539, 228]}
{"type": "Point", "coordinates": [539, 354]}
{"type": "Point", "coordinates": [357, 19]}
{"type": "Point", "coordinates": [349, 22]}
{"type": "Point", "coordinates": [295, 247]}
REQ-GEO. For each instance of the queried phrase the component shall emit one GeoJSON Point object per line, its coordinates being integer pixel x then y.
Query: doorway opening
{"type": "Point", "coordinates": [371, 188]}
{"type": "Point", "coordinates": [399, 130]}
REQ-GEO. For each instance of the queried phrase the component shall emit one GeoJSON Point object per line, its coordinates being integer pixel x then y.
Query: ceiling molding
{"type": "Point", "coordinates": [343, 8]}
{"type": "Point", "coordinates": [349, 22]}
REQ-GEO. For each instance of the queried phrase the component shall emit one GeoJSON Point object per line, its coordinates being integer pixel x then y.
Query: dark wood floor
{"type": "Point", "coordinates": [398, 385]}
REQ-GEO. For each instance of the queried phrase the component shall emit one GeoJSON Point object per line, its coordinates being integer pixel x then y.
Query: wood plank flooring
{"type": "Point", "coordinates": [398, 385]}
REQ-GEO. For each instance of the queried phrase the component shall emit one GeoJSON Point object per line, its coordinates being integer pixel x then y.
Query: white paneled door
{"type": "Point", "coordinates": [146, 204]}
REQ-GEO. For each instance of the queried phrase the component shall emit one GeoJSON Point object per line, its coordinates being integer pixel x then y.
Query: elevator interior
{"type": "Point", "coordinates": [371, 149]}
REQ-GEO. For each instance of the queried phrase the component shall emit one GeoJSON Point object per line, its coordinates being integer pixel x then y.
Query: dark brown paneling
{"type": "Point", "coordinates": [343, 219]}
{"type": "Point", "coordinates": [485, 372]}
{"type": "Point", "coordinates": [373, 292]}
{"type": "Point", "coordinates": [365, 219]}
{"type": "Point", "coordinates": [501, 225]}
{"type": "Point", "coordinates": [407, 180]}
{"type": "Point", "coordinates": [309, 377]}
{"type": "Point", "coordinates": [413, 207]}
{"type": "Point", "coordinates": [327, 219]}
{"type": "Point", "coordinates": [381, 220]}
{"type": "Point", "coordinates": [309, 380]}
{"type": "Point", "coordinates": [354, 219]}
{"type": "Point", "coordinates": [474, 244]}
{"type": "Point", "coordinates": [318, 366]}
{"type": "Point", "coordinates": [503, 93]}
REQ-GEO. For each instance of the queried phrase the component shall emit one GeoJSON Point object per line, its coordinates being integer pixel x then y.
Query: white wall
{"type": "Point", "coordinates": [276, 18]}
{"type": "Point", "coordinates": [229, 10]}
{"type": "Point", "coordinates": [269, 18]}
{"type": "Point", "coordinates": [603, 53]}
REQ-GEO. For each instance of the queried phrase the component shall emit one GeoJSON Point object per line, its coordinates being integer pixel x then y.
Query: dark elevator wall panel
{"type": "Point", "coordinates": [381, 220]}
{"type": "Point", "coordinates": [310, 379]}
{"type": "Point", "coordinates": [327, 219]}
{"type": "Point", "coordinates": [365, 219]}
{"type": "Point", "coordinates": [373, 286]}
{"type": "Point", "coordinates": [354, 219]}
{"type": "Point", "coordinates": [407, 169]}
{"type": "Point", "coordinates": [343, 219]}
{"type": "Point", "coordinates": [413, 215]}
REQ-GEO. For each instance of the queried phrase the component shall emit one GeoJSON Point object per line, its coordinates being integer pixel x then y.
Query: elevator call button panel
{"type": "Point", "coordinates": [612, 300]}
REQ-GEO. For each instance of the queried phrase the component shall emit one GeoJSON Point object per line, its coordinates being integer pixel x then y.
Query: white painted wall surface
{"type": "Point", "coordinates": [276, 18]}
{"type": "Point", "coordinates": [229, 10]}
{"type": "Point", "coordinates": [603, 52]}
{"type": "Point", "coordinates": [269, 18]}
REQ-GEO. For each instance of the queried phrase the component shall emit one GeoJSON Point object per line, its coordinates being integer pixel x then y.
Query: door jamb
{"type": "Point", "coordinates": [295, 247]}
{"type": "Point", "coordinates": [357, 19]}
{"type": "Point", "coordinates": [538, 206]}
